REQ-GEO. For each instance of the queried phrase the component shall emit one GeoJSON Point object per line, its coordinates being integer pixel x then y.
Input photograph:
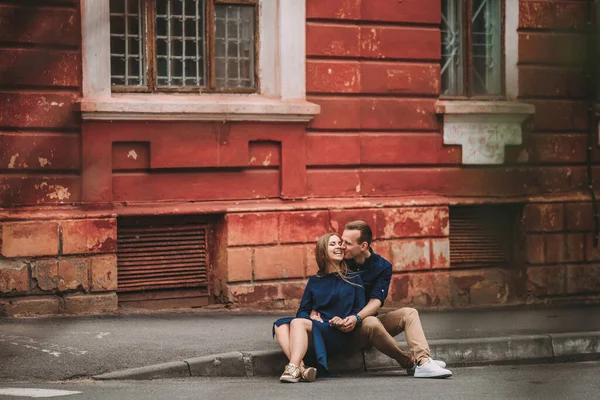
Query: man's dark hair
{"type": "Point", "coordinates": [365, 231]}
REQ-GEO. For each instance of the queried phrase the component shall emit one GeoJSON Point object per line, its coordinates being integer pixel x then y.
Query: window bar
{"type": "Point", "coordinates": [226, 48]}
{"type": "Point", "coordinates": [183, 37]}
{"type": "Point", "coordinates": [142, 80]}
{"type": "Point", "coordinates": [239, 47]}
{"type": "Point", "coordinates": [196, 58]}
{"type": "Point", "coordinates": [169, 61]}
{"type": "Point", "coordinates": [126, 12]}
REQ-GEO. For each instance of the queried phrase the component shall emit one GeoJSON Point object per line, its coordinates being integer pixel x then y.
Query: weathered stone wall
{"type": "Point", "coordinates": [58, 266]}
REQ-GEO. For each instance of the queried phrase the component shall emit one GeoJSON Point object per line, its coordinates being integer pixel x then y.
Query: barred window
{"type": "Point", "coordinates": [183, 45]}
{"type": "Point", "coordinates": [472, 53]}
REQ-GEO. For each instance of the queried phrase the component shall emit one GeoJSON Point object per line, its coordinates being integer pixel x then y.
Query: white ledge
{"type": "Point", "coordinates": [482, 107]}
{"type": "Point", "coordinates": [197, 107]}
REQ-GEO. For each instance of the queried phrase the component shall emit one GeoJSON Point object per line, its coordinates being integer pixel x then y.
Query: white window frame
{"type": "Point", "coordinates": [282, 75]}
{"type": "Point", "coordinates": [484, 127]}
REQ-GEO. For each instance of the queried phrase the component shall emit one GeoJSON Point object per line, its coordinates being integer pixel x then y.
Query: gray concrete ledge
{"type": "Point", "coordinates": [560, 347]}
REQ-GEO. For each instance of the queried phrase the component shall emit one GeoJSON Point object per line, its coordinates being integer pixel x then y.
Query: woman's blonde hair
{"type": "Point", "coordinates": [323, 259]}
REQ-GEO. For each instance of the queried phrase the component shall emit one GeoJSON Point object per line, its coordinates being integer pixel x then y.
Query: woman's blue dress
{"type": "Point", "coordinates": [331, 296]}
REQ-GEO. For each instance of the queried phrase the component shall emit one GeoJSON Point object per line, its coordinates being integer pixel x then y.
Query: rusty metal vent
{"type": "Point", "coordinates": [481, 235]}
{"type": "Point", "coordinates": [160, 254]}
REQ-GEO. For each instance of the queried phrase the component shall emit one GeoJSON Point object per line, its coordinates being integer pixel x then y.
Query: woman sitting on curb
{"type": "Point", "coordinates": [336, 293]}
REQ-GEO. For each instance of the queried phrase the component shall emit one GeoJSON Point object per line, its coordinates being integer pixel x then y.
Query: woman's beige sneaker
{"type": "Point", "coordinates": [308, 374]}
{"type": "Point", "coordinates": [291, 374]}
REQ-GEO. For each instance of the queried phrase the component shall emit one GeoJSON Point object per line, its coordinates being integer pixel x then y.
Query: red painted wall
{"type": "Point", "coordinates": [374, 68]}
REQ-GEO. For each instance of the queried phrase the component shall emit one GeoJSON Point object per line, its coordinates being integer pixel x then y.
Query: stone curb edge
{"type": "Point", "coordinates": [514, 349]}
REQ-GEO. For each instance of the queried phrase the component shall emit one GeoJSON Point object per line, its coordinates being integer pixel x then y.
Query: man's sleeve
{"type": "Point", "coordinates": [382, 283]}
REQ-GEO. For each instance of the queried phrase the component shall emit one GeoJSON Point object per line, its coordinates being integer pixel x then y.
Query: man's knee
{"type": "Point", "coordinates": [371, 325]}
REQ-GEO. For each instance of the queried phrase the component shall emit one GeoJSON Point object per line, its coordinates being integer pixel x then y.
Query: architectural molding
{"type": "Point", "coordinates": [483, 128]}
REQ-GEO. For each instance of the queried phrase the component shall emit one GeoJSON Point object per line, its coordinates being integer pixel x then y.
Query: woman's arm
{"type": "Point", "coordinates": [306, 304]}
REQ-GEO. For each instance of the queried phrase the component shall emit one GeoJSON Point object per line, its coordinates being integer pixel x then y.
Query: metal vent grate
{"type": "Point", "coordinates": [154, 255]}
{"type": "Point", "coordinates": [481, 235]}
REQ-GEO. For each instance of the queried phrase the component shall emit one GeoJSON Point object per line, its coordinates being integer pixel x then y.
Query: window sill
{"type": "Point", "coordinates": [483, 128]}
{"type": "Point", "coordinates": [204, 107]}
{"type": "Point", "coordinates": [483, 107]}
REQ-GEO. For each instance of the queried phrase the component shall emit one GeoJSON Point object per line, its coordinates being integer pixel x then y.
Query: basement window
{"type": "Point", "coordinates": [482, 236]}
{"type": "Point", "coordinates": [163, 260]}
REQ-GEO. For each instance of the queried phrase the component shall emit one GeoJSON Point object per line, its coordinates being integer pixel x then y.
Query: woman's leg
{"type": "Point", "coordinates": [299, 330]}
{"type": "Point", "coordinates": [282, 334]}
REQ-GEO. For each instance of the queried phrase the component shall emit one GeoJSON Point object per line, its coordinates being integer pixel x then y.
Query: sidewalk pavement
{"type": "Point", "coordinates": [237, 343]}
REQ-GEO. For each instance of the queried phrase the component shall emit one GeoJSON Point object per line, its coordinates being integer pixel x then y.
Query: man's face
{"type": "Point", "coordinates": [353, 248]}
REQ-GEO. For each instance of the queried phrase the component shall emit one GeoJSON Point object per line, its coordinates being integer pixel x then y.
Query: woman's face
{"type": "Point", "coordinates": [336, 248]}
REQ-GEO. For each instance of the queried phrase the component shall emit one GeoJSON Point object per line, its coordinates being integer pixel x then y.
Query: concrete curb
{"type": "Point", "coordinates": [521, 349]}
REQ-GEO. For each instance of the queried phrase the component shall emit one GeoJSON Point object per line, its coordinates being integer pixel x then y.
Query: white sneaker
{"type": "Point", "coordinates": [411, 371]}
{"type": "Point", "coordinates": [431, 370]}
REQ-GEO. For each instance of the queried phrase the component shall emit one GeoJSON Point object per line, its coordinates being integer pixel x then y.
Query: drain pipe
{"type": "Point", "coordinates": [593, 91]}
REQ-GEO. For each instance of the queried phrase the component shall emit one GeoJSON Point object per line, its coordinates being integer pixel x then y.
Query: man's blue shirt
{"type": "Point", "coordinates": [376, 274]}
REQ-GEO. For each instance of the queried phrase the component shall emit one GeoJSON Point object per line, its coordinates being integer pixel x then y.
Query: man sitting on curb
{"type": "Point", "coordinates": [379, 331]}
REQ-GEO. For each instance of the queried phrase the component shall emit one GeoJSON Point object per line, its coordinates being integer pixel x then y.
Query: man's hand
{"type": "Point", "coordinates": [314, 314]}
{"type": "Point", "coordinates": [348, 324]}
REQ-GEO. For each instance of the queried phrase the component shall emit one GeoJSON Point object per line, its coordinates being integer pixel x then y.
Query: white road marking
{"type": "Point", "coordinates": [32, 344]}
{"type": "Point", "coordinates": [29, 392]}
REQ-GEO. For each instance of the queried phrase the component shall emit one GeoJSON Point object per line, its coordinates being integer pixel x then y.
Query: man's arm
{"type": "Point", "coordinates": [349, 323]}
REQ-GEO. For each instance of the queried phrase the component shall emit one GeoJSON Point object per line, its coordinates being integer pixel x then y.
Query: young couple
{"type": "Point", "coordinates": [338, 311]}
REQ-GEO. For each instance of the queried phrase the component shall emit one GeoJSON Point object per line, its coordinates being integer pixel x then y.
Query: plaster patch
{"type": "Point", "coordinates": [43, 162]}
{"type": "Point", "coordinates": [13, 159]}
{"type": "Point", "coordinates": [267, 161]}
{"type": "Point", "coordinates": [132, 154]}
{"type": "Point", "coordinates": [58, 192]}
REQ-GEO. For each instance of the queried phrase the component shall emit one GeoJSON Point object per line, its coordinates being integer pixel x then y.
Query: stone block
{"type": "Point", "coordinates": [583, 278]}
{"type": "Point", "coordinates": [410, 255]}
{"type": "Point", "coordinates": [268, 296]}
{"type": "Point", "coordinates": [239, 264]}
{"type": "Point", "coordinates": [339, 219]}
{"type": "Point", "coordinates": [84, 236]}
{"type": "Point", "coordinates": [14, 276]}
{"type": "Point", "coordinates": [277, 262]}
{"type": "Point", "coordinates": [544, 217]}
{"type": "Point", "coordinates": [440, 253]}
{"type": "Point", "coordinates": [225, 364]}
{"type": "Point", "coordinates": [62, 275]}
{"type": "Point", "coordinates": [572, 345]}
{"type": "Point", "coordinates": [103, 272]}
{"type": "Point", "coordinates": [591, 253]}
{"type": "Point", "coordinates": [579, 216]}
{"type": "Point", "coordinates": [268, 362]}
{"type": "Point", "coordinates": [480, 287]}
{"type": "Point", "coordinates": [30, 306]}
{"type": "Point", "coordinates": [421, 289]}
{"type": "Point", "coordinates": [252, 229]}
{"type": "Point", "coordinates": [29, 239]}
{"type": "Point", "coordinates": [311, 261]}
{"type": "Point", "coordinates": [412, 222]}
{"type": "Point", "coordinates": [546, 280]}
{"type": "Point", "coordinates": [332, 77]}
{"type": "Point", "coordinates": [332, 40]}
{"type": "Point", "coordinates": [575, 247]}
{"type": "Point", "coordinates": [90, 303]}
{"type": "Point", "coordinates": [303, 227]}
{"type": "Point", "coordinates": [555, 248]}
{"type": "Point", "coordinates": [383, 248]}
{"type": "Point", "coordinates": [535, 249]}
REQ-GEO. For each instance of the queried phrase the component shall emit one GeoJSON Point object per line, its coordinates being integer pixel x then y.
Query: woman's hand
{"type": "Point", "coordinates": [336, 322]}
{"type": "Point", "coordinates": [315, 315]}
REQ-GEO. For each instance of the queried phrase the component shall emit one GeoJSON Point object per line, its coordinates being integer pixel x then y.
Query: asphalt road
{"type": "Point", "coordinates": [69, 347]}
{"type": "Point", "coordinates": [555, 381]}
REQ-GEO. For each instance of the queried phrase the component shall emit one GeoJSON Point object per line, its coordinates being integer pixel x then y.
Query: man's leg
{"type": "Point", "coordinates": [373, 333]}
{"type": "Point", "coordinates": [407, 320]}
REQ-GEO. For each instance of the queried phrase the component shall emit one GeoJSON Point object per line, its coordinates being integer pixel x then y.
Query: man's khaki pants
{"type": "Point", "coordinates": [379, 332]}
